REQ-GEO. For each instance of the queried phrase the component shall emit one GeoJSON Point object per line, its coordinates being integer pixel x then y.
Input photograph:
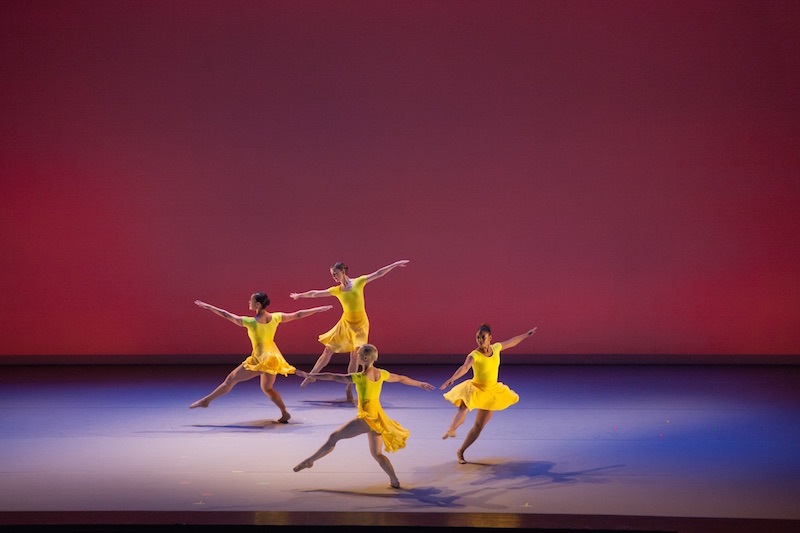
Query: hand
{"type": "Point", "coordinates": [301, 373]}
{"type": "Point", "coordinates": [402, 262]}
{"type": "Point", "coordinates": [446, 384]}
{"type": "Point", "coordinates": [294, 296]}
{"type": "Point", "coordinates": [531, 332]}
{"type": "Point", "coordinates": [426, 386]}
{"type": "Point", "coordinates": [201, 304]}
{"type": "Point", "coordinates": [326, 307]}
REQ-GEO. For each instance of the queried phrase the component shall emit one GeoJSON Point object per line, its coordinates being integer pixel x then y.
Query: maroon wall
{"type": "Point", "coordinates": [624, 175]}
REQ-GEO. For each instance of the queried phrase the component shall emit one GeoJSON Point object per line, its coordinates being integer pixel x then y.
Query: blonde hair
{"type": "Point", "coordinates": [370, 351]}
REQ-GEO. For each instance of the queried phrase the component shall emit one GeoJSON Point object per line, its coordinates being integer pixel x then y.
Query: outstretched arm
{"type": "Point", "coordinates": [513, 341]}
{"type": "Point", "coordinates": [405, 380]}
{"type": "Point", "coordinates": [236, 319]}
{"type": "Point", "coordinates": [325, 376]}
{"type": "Point", "coordinates": [288, 317]}
{"type": "Point", "coordinates": [309, 294]}
{"type": "Point", "coordinates": [463, 369]}
{"type": "Point", "coordinates": [383, 271]}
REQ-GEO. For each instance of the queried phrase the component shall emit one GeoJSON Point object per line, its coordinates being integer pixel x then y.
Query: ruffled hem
{"type": "Point", "coordinates": [494, 397]}
{"type": "Point", "coordinates": [393, 434]}
{"type": "Point", "coordinates": [350, 332]}
{"type": "Point", "coordinates": [269, 363]}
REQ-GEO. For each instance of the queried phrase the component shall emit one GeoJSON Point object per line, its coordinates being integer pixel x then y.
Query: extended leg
{"type": "Point", "coordinates": [238, 375]}
{"type": "Point", "coordinates": [321, 363]}
{"type": "Point", "coordinates": [349, 430]}
{"type": "Point", "coordinates": [458, 419]}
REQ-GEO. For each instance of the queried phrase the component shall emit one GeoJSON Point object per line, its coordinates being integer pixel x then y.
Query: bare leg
{"type": "Point", "coordinates": [349, 430]}
{"type": "Point", "coordinates": [376, 449]}
{"type": "Point", "coordinates": [352, 367]}
{"type": "Point", "coordinates": [458, 419]}
{"type": "Point", "coordinates": [267, 382]}
{"type": "Point", "coordinates": [481, 419]}
{"type": "Point", "coordinates": [239, 374]}
{"type": "Point", "coordinates": [321, 363]}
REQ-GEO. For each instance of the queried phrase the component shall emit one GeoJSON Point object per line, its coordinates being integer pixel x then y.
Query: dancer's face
{"type": "Point", "coordinates": [254, 305]}
{"type": "Point", "coordinates": [483, 339]}
{"type": "Point", "coordinates": [338, 275]}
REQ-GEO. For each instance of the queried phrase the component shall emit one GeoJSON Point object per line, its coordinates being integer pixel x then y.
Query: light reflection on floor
{"type": "Point", "coordinates": [584, 443]}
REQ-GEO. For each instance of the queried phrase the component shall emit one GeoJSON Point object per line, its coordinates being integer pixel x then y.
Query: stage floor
{"type": "Point", "coordinates": [618, 447]}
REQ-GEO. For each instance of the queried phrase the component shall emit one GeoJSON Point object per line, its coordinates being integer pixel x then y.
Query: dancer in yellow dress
{"type": "Point", "coordinates": [381, 430]}
{"type": "Point", "coordinates": [483, 392]}
{"type": "Point", "coordinates": [266, 359]}
{"type": "Point", "coordinates": [352, 330]}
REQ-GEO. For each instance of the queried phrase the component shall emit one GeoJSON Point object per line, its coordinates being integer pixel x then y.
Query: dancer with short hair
{"type": "Point", "coordinates": [371, 419]}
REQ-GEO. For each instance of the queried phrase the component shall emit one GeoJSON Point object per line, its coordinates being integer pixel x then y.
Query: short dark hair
{"type": "Point", "coordinates": [339, 266]}
{"type": "Point", "coordinates": [486, 328]}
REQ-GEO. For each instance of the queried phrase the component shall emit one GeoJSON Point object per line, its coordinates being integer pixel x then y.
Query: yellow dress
{"type": "Point", "coordinates": [483, 391]}
{"type": "Point", "coordinates": [370, 410]}
{"type": "Point", "coordinates": [352, 330]}
{"type": "Point", "coordinates": [266, 356]}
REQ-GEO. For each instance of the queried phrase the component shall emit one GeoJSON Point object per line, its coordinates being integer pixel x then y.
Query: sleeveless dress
{"type": "Point", "coordinates": [266, 357]}
{"type": "Point", "coordinates": [352, 329]}
{"type": "Point", "coordinates": [369, 409]}
{"type": "Point", "coordinates": [483, 391]}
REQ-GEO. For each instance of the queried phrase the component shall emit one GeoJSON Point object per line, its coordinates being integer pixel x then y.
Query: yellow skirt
{"type": "Point", "coordinates": [268, 359]}
{"type": "Point", "coordinates": [349, 333]}
{"type": "Point", "coordinates": [495, 397]}
{"type": "Point", "coordinates": [393, 434]}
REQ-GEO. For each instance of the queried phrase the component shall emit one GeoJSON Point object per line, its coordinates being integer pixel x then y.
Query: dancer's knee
{"type": "Point", "coordinates": [479, 425]}
{"type": "Point", "coordinates": [377, 455]}
{"type": "Point", "coordinates": [333, 438]}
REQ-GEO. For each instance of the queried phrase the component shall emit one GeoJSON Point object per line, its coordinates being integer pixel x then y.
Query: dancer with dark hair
{"type": "Point", "coordinates": [352, 330]}
{"type": "Point", "coordinates": [483, 392]}
{"type": "Point", "coordinates": [266, 359]}
{"type": "Point", "coordinates": [371, 419]}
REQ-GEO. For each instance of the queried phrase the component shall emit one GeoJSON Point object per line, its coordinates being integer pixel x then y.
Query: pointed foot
{"type": "Point", "coordinates": [303, 465]}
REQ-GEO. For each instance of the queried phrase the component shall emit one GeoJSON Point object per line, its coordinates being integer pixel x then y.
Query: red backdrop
{"type": "Point", "coordinates": [623, 175]}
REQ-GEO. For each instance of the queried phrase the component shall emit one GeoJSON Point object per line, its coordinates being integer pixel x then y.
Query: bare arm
{"type": "Point", "coordinates": [463, 369]}
{"type": "Point", "coordinates": [405, 380]}
{"type": "Point", "coordinates": [309, 294]}
{"type": "Point", "coordinates": [513, 341]}
{"type": "Point", "coordinates": [236, 319]}
{"type": "Point", "coordinates": [288, 317]}
{"type": "Point", "coordinates": [325, 376]}
{"type": "Point", "coordinates": [383, 271]}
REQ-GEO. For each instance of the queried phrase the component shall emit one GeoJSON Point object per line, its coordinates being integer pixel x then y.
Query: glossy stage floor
{"type": "Point", "coordinates": [603, 448]}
